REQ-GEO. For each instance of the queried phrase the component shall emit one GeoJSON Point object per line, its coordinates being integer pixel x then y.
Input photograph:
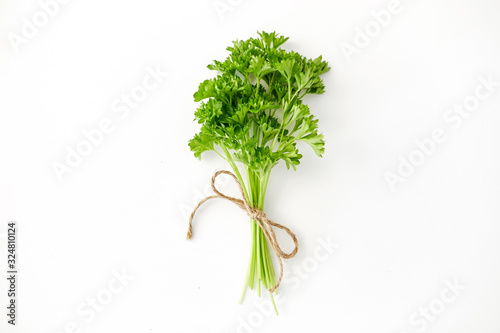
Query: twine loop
{"type": "Point", "coordinates": [255, 214]}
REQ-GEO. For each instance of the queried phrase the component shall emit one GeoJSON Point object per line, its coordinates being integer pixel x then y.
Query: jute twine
{"type": "Point", "coordinates": [255, 214]}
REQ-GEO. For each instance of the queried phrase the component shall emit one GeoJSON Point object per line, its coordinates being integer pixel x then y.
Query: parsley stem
{"type": "Point", "coordinates": [260, 269]}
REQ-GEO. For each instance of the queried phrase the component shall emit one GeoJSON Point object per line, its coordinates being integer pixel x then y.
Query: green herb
{"type": "Point", "coordinates": [252, 115]}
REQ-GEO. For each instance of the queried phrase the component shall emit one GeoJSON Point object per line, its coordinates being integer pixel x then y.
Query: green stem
{"type": "Point", "coordinates": [235, 169]}
{"type": "Point", "coordinates": [260, 269]}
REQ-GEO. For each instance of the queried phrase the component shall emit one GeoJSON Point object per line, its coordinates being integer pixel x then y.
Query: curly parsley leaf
{"type": "Point", "coordinates": [253, 108]}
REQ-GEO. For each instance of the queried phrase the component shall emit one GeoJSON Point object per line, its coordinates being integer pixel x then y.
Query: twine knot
{"type": "Point", "coordinates": [255, 214]}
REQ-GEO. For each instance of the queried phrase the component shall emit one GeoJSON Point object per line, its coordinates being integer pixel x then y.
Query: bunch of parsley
{"type": "Point", "coordinates": [252, 115]}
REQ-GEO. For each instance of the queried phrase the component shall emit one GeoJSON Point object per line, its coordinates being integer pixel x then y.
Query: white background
{"type": "Point", "coordinates": [124, 207]}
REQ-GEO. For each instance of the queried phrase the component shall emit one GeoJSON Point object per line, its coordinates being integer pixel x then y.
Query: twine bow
{"type": "Point", "coordinates": [255, 214]}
